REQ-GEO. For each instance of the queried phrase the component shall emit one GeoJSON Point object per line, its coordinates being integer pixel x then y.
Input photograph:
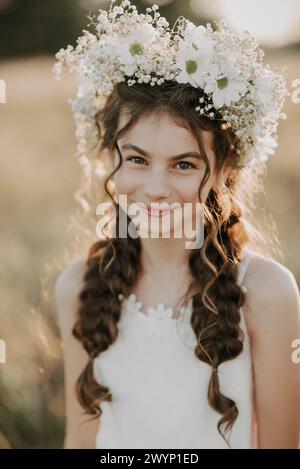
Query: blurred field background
{"type": "Point", "coordinates": [39, 176]}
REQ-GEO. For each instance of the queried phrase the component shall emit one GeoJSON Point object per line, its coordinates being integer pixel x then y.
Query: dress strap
{"type": "Point", "coordinates": [242, 266]}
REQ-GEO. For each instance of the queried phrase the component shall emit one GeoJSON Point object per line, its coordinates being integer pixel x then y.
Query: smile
{"type": "Point", "coordinates": [154, 212]}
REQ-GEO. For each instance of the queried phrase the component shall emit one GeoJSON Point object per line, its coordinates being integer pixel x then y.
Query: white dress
{"type": "Point", "coordinates": [159, 387]}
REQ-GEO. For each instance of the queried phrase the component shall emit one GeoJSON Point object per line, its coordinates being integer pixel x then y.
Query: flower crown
{"type": "Point", "coordinates": [141, 48]}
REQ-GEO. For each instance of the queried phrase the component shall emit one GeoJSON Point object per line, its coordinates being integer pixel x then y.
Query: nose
{"type": "Point", "coordinates": [156, 187]}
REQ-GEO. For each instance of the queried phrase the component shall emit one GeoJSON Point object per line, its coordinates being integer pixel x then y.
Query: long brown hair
{"type": "Point", "coordinates": [114, 266]}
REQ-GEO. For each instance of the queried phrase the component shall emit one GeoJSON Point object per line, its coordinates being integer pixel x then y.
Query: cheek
{"type": "Point", "coordinates": [189, 188]}
{"type": "Point", "coordinates": [127, 181]}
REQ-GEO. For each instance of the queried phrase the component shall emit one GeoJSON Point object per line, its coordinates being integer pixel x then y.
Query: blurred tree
{"type": "Point", "coordinates": [31, 27]}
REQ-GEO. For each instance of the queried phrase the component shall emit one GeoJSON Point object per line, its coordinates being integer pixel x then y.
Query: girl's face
{"type": "Point", "coordinates": [162, 163]}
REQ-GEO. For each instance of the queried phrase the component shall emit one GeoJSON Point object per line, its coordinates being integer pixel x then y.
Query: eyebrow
{"type": "Point", "coordinates": [129, 146]}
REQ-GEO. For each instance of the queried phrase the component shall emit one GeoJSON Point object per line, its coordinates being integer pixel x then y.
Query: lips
{"type": "Point", "coordinates": [154, 212]}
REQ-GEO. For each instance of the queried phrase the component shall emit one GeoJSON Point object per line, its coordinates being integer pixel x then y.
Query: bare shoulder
{"type": "Point", "coordinates": [272, 294]}
{"type": "Point", "coordinates": [66, 290]}
{"type": "Point", "coordinates": [71, 277]}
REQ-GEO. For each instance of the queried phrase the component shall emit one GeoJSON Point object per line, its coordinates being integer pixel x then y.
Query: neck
{"type": "Point", "coordinates": [162, 255]}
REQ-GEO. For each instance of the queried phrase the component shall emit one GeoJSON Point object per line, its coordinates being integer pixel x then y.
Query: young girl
{"type": "Point", "coordinates": [170, 347]}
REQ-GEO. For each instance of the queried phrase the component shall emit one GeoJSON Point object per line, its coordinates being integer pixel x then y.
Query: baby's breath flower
{"type": "Point", "coordinates": [141, 48]}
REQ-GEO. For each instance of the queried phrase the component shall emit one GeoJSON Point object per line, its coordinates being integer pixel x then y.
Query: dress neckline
{"type": "Point", "coordinates": [162, 312]}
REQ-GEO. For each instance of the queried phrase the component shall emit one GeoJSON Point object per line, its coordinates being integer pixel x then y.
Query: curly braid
{"type": "Point", "coordinates": [216, 316]}
{"type": "Point", "coordinates": [114, 266]}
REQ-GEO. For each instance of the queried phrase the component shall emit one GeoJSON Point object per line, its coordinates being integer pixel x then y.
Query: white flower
{"type": "Point", "coordinates": [85, 85]}
{"type": "Point", "coordinates": [194, 54]}
{"type": "Point", "coordinates": [224, 65]}
{"type": "Point", "coordinates": [263, 92]}
{"type": "Point", "coordinates": [160, 322]}
{"type": "Point", "coordinates": [265, 147]}
{"type": "Point", "coordinates": [160, 312]}
{"type": "Point", "coordinates": [225, 85]}
{"type": "Point", "coordinates": [131, 304]}
{"type": "Point", "coordinates": [130, 49]}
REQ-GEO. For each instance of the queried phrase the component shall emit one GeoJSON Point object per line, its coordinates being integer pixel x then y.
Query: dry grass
{"type": "Point", "coordinates": [38, 178]}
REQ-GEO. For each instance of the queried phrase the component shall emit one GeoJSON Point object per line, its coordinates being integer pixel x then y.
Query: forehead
{"type": "Point", "coordinates": [161, 135]}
